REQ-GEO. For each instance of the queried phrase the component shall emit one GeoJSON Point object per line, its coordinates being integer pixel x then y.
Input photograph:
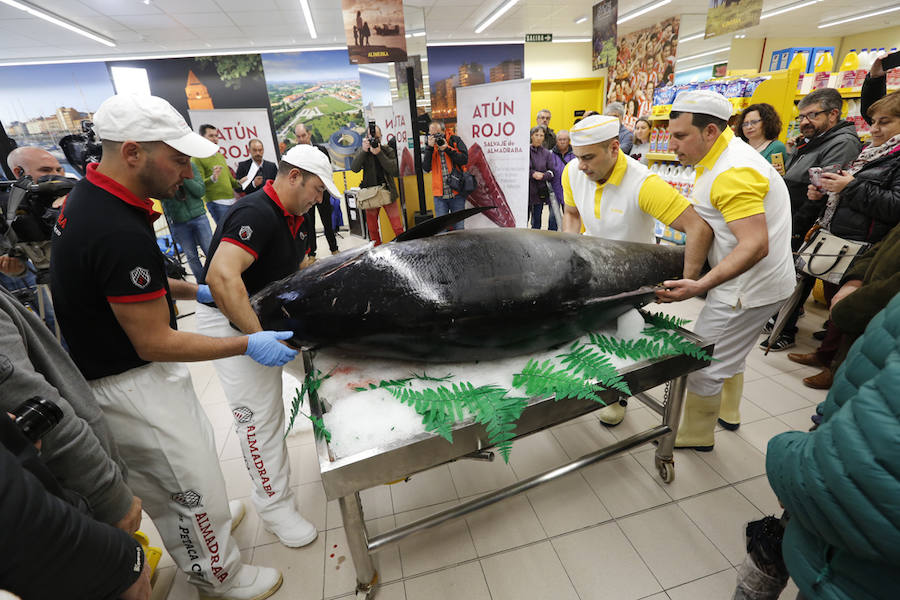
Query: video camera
{"type": "Point", "coordinates": [81, 149]}
{"type": "Point", "coordinates": [373, 135]}
{"type": "Point", "coordinates": [27, 216]}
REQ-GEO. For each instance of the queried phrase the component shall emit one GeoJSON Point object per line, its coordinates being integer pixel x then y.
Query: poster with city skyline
{"type": "Point", "coordinates": [44, 103]}
{"type": "Point", "coordinates": [322, 91]}
{"type": "Point", "coordinates": [450, 67]}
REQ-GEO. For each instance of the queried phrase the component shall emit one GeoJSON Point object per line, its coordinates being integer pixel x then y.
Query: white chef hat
{"type": "Point", "coordinates": [593, 130]}
{"type": "Point", "coordinates": [706, 102]}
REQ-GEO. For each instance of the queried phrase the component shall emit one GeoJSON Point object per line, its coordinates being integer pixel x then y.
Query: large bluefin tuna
{"type": "Point", "coordinates": [466, 295]}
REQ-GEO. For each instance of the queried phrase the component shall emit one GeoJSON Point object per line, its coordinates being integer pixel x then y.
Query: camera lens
{"type": "Point", "coordinates": [36, 416]}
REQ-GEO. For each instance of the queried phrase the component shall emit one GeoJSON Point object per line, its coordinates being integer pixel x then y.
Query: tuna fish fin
{"type": "Point", "coordinates": [439, 224]}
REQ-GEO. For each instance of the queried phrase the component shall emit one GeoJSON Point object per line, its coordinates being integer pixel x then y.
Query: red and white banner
{"type": "Point", "coordinates": [493, 120]}
{"type": "Point", "coordinates": [237, 126]}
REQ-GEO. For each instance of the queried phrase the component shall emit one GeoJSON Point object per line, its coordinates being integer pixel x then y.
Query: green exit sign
{"type": "Point", "coordinates": [538, 37]}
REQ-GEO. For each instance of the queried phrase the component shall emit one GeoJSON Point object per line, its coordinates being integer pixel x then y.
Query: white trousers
{"type": "Point", "coordinates": [736, 332]}
{"type": "Point", "coordinates": [254, 396]}
{"type": "Point", "coordinates": [167, 442]}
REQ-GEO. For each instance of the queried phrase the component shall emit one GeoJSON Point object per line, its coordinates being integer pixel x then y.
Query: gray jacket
{"type": "Point", "coordinates": [80, 451]}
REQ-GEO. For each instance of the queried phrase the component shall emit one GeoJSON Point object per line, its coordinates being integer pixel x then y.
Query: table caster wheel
{"type": "Point", "coordinates": [666, 471]}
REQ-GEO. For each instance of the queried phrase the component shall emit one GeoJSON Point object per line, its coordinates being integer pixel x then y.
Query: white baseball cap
{"type": "Point", "coordinates": [309, 158]}
{"type": "Point", "coordinates": [706, 102]}
{"type": "Point", "coordinates": [141, 118]}
{"type": "Point", "coordinates": [593, 130]}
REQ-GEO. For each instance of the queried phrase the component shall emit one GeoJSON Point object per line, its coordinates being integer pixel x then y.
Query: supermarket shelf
{"type": "Point", "coordinates": [846, 92]}
{"type": "Point", "coordinates": [661, 156]}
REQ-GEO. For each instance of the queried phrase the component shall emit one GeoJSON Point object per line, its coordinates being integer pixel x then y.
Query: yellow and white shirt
{"type": "Point", "coordinates": [625, 205]}
{"type": "Point", "coordinates": [733, 182]}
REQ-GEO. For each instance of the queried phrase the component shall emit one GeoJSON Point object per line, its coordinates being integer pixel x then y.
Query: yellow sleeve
{"type": "Point", "coordinates": [568, 198]}
{"type": "Point", "coordinates": [660, 200]}
{"type": "Point", "coordinates": [739, 192]}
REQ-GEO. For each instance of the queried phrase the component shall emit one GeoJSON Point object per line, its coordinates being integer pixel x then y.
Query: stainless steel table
{"type": "Point", "coordinates": [344, 477]}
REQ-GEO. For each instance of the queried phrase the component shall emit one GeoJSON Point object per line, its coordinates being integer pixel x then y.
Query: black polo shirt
{"type": "Point", "coordinates": [104, 251]}
{"type": "Point", "coordinates": [259, 224]}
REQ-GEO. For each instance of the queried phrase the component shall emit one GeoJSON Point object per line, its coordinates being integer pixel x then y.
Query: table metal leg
{"type": "Point", "coordinates": [664, 459]}
{"type": "Point", "coordinates": [357, 539]}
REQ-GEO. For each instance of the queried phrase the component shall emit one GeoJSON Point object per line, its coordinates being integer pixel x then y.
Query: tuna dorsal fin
{"type": "Point", "coordinates": [439, 224]}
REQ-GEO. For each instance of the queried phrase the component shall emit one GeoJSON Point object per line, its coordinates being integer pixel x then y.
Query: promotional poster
{"type": "Point", "coordinates": [645, 60]}
{"type": "Point", "coordinates": [237, 126]}
{"type": "Point", "coordinates": [493, 120]}
{"type": "Point", "coordinates": [322, 91]}
{"type": "Point", "coordinates": [44, 103]}
{"type": "Point", "coordinates": [725, 16]}
{"type": "Point", "coordinates": [402, 128]}
{"type": "Point", "coordinates": [452, 67]}
{"type": "Point", "coordinates": [375, 31]}
{"type": "Point", "coordinates": [603, 41]}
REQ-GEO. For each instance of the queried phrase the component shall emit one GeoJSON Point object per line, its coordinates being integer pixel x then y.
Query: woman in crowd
{"type": "Point", "coordinates": [863, 204]}
{"type": "Point", "coordinates": [759, 126]}
{"type": "Point", "coordinates": [545, 170]}
{"type": "Point", "coordinates": [641, 140]}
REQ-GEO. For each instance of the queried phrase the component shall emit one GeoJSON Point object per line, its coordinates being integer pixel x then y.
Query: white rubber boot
{"type": "Point", "coordinates": [729, 413]}
{"type": "Point", "coordinates": [613, 414]}
{"type": "Point", "coordinates": [250, 583]}
{"type": "Point", "coordinates": [698, 422]}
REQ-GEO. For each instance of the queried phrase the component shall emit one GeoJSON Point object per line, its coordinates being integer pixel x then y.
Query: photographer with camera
{"type": "Point", "coordinates": [379, 166]}
{"type": "Point", "coordinates": [443, 155]}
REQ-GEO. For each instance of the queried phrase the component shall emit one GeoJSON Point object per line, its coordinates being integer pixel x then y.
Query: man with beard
{"type": "Point", "coordinates": [114, 305]}
{"type": "Point", "coordinates": [825, 140]}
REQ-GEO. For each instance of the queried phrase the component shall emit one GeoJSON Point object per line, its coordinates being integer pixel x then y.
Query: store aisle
{"type": "Point", "coordinates": [613, 531]}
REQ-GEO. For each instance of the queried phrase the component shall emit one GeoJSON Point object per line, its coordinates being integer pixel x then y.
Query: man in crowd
{"type": "Point", "coordinates": [188, 221]}
{"type": "Point", "coordinates": [254, 246]}
{"type": "Point", "coordinates": [324, 207]}
{"type": "Point", "coordinates": [617, 198]}
{"type": "Point", "coordinates": [563, 148]}
{"type": "Point", "coordinates": [746, 203]}
{"type": "Point", "coordinates": [543, 120]}
{"type": "Point", "coordinates": [825, 140]}
{"type": "Point", "coordinates": [220, 183]}
{"type": "Point", "coordinates": [114, 305]}
{"type": "Point", "coordinates": [442, 156]}
{"type": "Point", "coordinates": [255, 169]}
{"type": "Point", "coordinates": [626, 137]}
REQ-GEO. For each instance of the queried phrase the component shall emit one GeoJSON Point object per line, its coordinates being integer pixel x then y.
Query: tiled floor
{"type": "Point", "coordinates": [612, 531]}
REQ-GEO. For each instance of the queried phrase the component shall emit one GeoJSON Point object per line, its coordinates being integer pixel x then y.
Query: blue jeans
{"type": "Point", "coordinates": [191, 234]}
{"type": "Point", "coordinates": [537, 211]}
{"type": "Point", "coordinates": [217, 211]}
{"type": "Point", "coordinates": [443, 207]}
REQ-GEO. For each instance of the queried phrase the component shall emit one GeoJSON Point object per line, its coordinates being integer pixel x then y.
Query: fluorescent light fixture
{"type": "Point", "coordinates": [874, 13]}
{"type": "Point", "coordinates": [581, 19]}
{"type": "Point", "coordinates": [130, 80]}
{"type": "Point", "coordinates": [374, 73]}
{"type": "Point", "coordinates": [692, 37]}
{"type": "Point", "coordinates": [59, 21]}
{"type": "Point", "coordinates": [179, 54]}
{"type": "Point", "coordinates": [740, 36]}
{"type": "Point", "coordinates": [474, 42]}
{"type": "Point", "coordinates": [642, 10]}
{"type": "Point", "coordinates": [304, 4]}
{"type": "Point", "coordinates": [495, 15]}
{"type": "Point", "coordinates": [692, 67]}
{"type": "Point", "coordinates": [707, 53]}
{"type": "Point", "coordinates": [571, 40]}
{"type": "Point", "coordinates": [415, 33]}
{"type": "Point", "coordinates": [786, 8]}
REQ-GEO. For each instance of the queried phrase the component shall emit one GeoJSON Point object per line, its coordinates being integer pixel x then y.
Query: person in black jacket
{"type": "Point", "coordinates": [51, 549]}
{"type": "Point", "coordinates": [263, 171]}
{"type": "Point", "coordinates": [324, 207]}
{"type": "Point", "coordinates": [378, 163]}
{"type": "Point", "coordinates": [443, 155]}
{"type": "Point", "coordinates": [873, 89]}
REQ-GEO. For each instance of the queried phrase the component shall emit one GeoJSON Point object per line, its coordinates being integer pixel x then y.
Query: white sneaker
{"type": "Point", "coordinates": [289, 527]}
{"type": "Point", "coordinates": [237, 510]}
{"type": "Point", "coordinates": [250, 583]}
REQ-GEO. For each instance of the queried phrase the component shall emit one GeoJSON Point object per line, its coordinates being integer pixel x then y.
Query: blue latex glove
{"type": "Point", "coordinates": [264, 348]}
{"type": "Point", "coordinates": [203, 294]}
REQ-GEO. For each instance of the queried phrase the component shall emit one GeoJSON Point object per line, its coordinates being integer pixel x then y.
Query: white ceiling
{"type": "Point", "coordinates": [160, 27]}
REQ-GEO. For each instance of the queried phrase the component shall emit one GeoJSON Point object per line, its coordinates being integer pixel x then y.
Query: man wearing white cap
{"type": "Point", "coordinates": [747, 204]}
{"type": "Point", "coordinates": [618, 198]}
{"type": "Point", "coordinates": [114, 305]}
{"type": "Point", "coordinates": [252, 247]}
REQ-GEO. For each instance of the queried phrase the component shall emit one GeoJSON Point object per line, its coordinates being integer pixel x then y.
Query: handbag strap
{"type": "Point", "coordinates": [841, 254]}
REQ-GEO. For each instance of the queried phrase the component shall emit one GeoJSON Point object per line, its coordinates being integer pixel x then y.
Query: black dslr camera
{"type": "Point", "coordinates": [373, 135]}
{"type": "Point", "coordinates": [27, 216]}
{"type": "Point", "coordinates": [439, 139]}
